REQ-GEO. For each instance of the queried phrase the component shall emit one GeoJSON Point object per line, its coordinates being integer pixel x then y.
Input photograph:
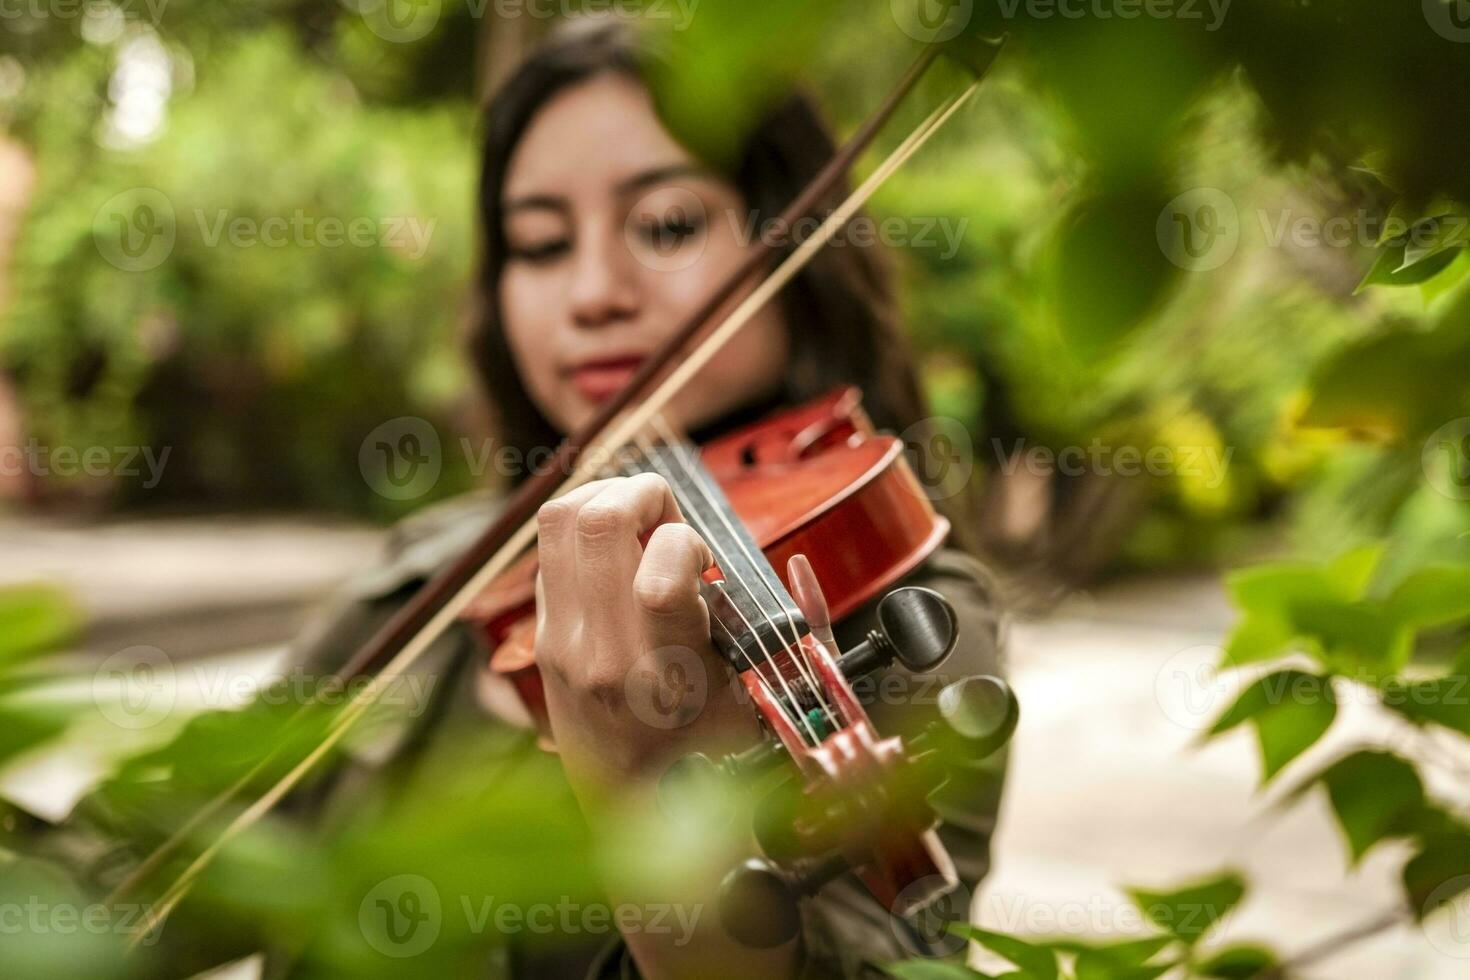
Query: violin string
{"type": "Point", "coordinates": [765, 653]}
{"type": "Point", "coordinates": [623, 430]}
{"type": "Point", "coordinates": [797, 654]}
{"type": "Point", "coordinates": [525, 535]}
{"type": "Point", "coordinates": [725, 566]}
{"type": "Point", "coordinates": [759, 678]}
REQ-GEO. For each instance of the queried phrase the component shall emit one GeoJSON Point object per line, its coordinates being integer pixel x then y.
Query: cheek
{"type": "Point", "coordinates": [530, 331]}
{"type": "Point", "coordinates": [752, 367]}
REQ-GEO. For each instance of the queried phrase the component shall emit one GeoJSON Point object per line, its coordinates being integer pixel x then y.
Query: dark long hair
{"type": "Point", "coordinates": [840, 309]}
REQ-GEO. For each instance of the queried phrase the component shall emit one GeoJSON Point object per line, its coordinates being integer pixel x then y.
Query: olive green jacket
{"type": "Point", "coordinates": [847, 933]}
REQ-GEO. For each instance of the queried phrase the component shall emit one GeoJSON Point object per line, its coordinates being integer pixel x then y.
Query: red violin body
{"type": "Point", "coordinates": [814, 480]}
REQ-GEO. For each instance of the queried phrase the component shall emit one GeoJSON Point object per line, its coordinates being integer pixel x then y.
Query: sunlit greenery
{"type": "Point", "coordinates": [1332, 375]}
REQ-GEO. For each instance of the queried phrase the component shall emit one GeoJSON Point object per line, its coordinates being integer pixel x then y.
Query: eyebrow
{"type": "Point", "coordinates": [536, 202]}
{"type": "Point", "coordinates": [661, 175]}
{"type": "Point", "coordinates": [638, 182]}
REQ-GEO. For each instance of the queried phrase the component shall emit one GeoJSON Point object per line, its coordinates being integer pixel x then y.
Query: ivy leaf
{"type": "Point", "coordinates": [1433, 596]}
{"type": "Point", "coordinates": [1125, 960]}
{"type": "Point", "coordinates": [1433, 235]}
{"type": "Point", "coordinates": [714, 78]}
{"type": "Point", "coordinates": [1269, 594]}
{"type": "Point", "coordinates": [34, 619]}
{"type": "Point", "coordinates": [1441, 701]}
{"type": "Point", "coordinates": [1189, 912]}
{"type": "Point", "coordinates": [1402, 384]}
{"type": "Point", "coordinates": [1391, 267]}
{"type": "Point", "coordinates": [1237, 962]}
{"type": "Point", "coordinates": [931, 970]}
{"type": "Point", "coordinates": [1033, 960]}
{"type": "Point", "coordinates": [1290, 710]}
{"type": "Point", "coordinates": [1355, 636]}
{"type": "Point", "coordinates": [1439, 872]}
{"type": "Point", "coordinates": [23, 730]}
{"type": "Point", "coordinates": [1374, 795]}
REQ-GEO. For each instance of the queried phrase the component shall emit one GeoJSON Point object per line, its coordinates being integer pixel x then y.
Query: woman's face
{"type": "Point", "coordinates": [615, 235]}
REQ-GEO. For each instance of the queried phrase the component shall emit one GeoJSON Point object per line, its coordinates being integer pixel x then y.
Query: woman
{"type": "Point", "coordinates": [602, 234]}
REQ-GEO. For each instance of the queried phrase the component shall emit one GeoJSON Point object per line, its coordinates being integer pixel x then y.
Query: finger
{"type": "Point", "coordinates": [807, 592]}
{"type": "Point", "coordinates": [556, 546]}
{"type": "Point", "coordinates": [608, 530]}
{"type": "Point", "coordinates": [666, 588]}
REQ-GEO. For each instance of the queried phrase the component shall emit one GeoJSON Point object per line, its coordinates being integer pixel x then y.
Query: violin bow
{"type": "Point", "coordinates": [438, 603]}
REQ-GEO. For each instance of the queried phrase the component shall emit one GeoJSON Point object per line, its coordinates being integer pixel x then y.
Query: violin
{"type": "Point", "coordinates": [817, 481]}
{"type": "Point", "coordinates": [814, 480]}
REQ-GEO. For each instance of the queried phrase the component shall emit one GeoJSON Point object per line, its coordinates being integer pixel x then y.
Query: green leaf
{"type": "Point", "coordinates": [1189, 912]}
{"type": "Point", "coordinates": [1290, 710]}
{"type": "Point", "coordinates": [1401, 384]}
{"type": "Point", "coordinates": [1433, 596]}
{"type": "Point", "coordinates": [34, 619]}
{"type": "Point", "coordinates": [1237, 962]}
{"type": "Point", "coordinates": [1125, 959]}
{"type": "Point", "coordinates": [715, 77]}
{"type": "Point", "coordinates": [1439, 872]}
{"type": "Point", "coordinates": [1356, 636]}
{"type": "Point", "coordinates": [1391, 267]}
{"type": "Point", "coordinates": [931, 970]}
{"type": "Point", "coordinates": [1374, 795]}
{"type": "Point", "coordinates": [1433, 235]}
{"type": "Point", "coordinates": [1271, 597]}
{"type": "Point", "coordinates": [23, 730]}
{"type": "Point", "coordinates": [1441, 701]}
{"type": "Point", "coordinates": [1035, 961]}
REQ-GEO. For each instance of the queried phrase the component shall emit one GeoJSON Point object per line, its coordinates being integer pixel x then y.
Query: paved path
{"type": "Point", "coordinates": [1106, 788]}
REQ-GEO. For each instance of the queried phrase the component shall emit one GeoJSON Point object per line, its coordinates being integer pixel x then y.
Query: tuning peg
{"type": "Point", "coordinates": [916, 626]}
{"type": "Point", "coordinates": [760, 902]}
{"type": "Point", "coordinates": [977, 715]}
{"type": "Point", "coordinates": [696, 776]}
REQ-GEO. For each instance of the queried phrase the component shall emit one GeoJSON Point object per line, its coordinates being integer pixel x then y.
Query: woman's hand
{"type": "Point", "coordinates": [622, 639]}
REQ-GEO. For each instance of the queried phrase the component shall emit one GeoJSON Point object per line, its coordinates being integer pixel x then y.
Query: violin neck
{"type": "Point", "coordinates": [752, 615]}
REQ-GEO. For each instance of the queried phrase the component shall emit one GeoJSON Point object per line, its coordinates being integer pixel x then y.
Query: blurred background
{"type": "Point", "coordinates": [1188, 285]}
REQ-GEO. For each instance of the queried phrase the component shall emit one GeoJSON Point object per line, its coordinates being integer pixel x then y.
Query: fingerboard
{"type": "Point", "coordinates": [752, 616]}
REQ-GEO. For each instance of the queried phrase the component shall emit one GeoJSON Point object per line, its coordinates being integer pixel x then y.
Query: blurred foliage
{"type": "Point", "coordinates": [1075, 309]}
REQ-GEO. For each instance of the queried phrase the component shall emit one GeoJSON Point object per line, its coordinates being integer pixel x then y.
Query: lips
{"type": "Point", "coordinates": [600, 378]}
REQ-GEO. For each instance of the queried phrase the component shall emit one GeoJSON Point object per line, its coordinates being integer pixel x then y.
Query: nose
{"type": "Point", "coordinates": [605, 285]}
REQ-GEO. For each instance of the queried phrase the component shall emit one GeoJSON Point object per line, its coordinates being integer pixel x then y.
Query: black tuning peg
{"type": "Point", "coordinates": [916, 627]}
{"type": "Point", "coordinates": [977, 716]}
{"type": "Point", "coordinates": [696, 776]}
{"type": "Point", "coordinates": [760, 902]}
